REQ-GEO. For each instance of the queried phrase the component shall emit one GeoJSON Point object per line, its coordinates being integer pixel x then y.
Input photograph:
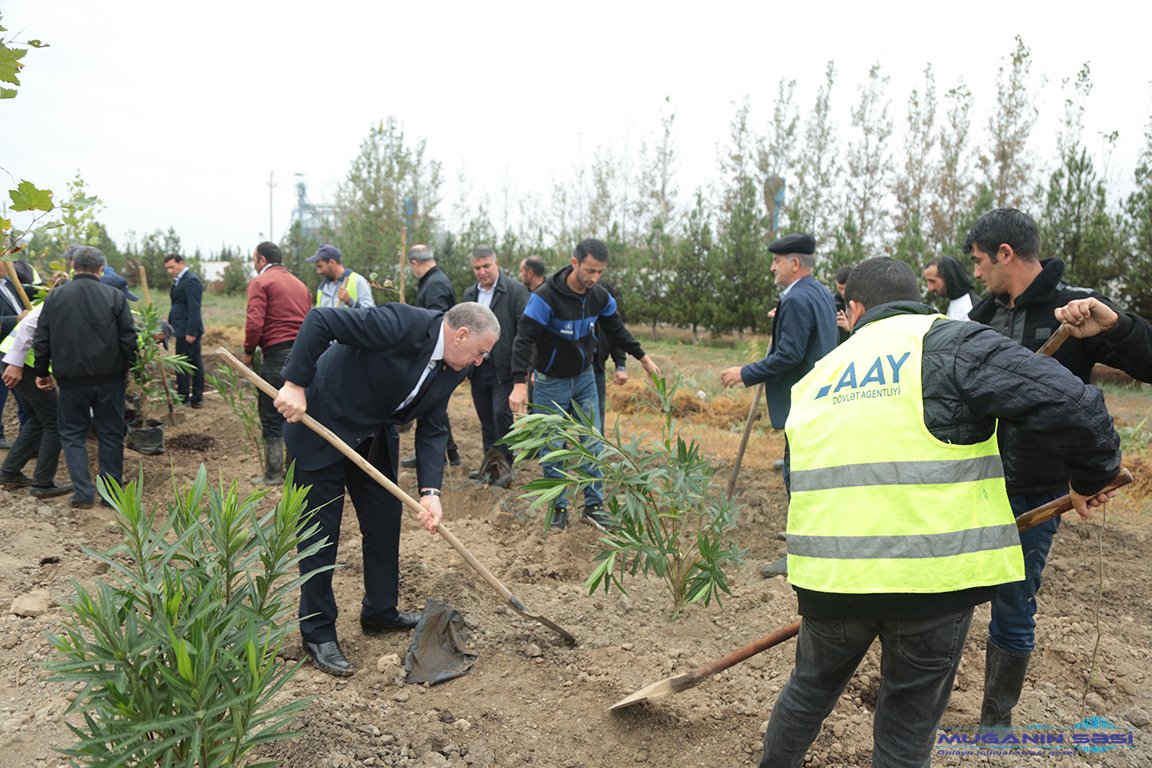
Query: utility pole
{"type": "Point", "coordinates": [271, 186]}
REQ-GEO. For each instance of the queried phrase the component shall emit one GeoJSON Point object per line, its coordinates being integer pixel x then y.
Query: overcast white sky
{"type": "Point", "coordinates": [176, 114]}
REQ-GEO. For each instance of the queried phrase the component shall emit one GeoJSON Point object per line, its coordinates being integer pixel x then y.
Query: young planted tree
{"type": "Point", "coordinates": [812, 206]}
{"type": "Point", "coordinates": [1076, 224]}
{"type": "Point", "coordinates": [1005, 162]}
{"type": "Point", "coordinates": [869, 159]}
{"type": "Point", "coordinates": [911, 189]}
{"type": "Point", "coordinates": [672, 523]}
{"type": "Point", "coordinates": [390, 185]}
{"type": "Point", "coordinates": [152, 369]}
{"type": "Point", "coordinates": [952, 179]}
{"type": "Point", "coordinates": [174, 653]}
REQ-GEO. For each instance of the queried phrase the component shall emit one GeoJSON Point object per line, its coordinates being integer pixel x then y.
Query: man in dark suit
{"type": "Point", "coordinates": [433, 292]}
{"type": "Point", "coordinates": [390, 364]}
{"type": "Point", "coordinates": [188, 326]}
{"type": "Point", "coordinates": [804, 330]}
{"type": "Point", "coordinates": [492, 380]}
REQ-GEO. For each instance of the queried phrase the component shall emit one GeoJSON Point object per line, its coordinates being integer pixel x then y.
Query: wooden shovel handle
{"type": "Point", "coordinates": [336, 442]}
{"type": "Point", "coordinates": [1057, 507]}
{"type": "Point", "coordinates": [1029, 519]}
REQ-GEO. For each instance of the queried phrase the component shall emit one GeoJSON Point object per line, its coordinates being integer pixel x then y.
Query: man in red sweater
{"type": "Point", "coordinates": [277, 304]}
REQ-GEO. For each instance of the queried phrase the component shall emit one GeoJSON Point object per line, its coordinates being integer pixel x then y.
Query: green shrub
{"type": "Point", "coordinates": [672, 522]}
{"type": "Point", "coordinates": [176, 652]}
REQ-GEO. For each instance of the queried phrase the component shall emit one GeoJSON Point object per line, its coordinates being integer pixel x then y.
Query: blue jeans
{"type": "Point", "coordinates": [1013, 625]}
{"type": "Point", "coordinates": [918, 664]}
{"type": "Point", "coordinates": [562, 394]}
{"type": "Point", "coordinates": [101, 407]}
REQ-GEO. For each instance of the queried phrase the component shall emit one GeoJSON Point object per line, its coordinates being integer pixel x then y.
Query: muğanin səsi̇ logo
{"type": "Point", "coordinates": [1092, 734]}
{"type": "Point", "coordinates": [880, 378]}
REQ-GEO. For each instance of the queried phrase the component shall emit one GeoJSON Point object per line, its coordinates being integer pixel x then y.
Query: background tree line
{"type": "Point", "coordinates": [699, 260]}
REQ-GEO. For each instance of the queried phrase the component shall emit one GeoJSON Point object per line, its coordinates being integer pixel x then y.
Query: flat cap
{"type": "Point", "coordinates": [327, 252]}
{"type": "Point", "coordinates": [799, 242]}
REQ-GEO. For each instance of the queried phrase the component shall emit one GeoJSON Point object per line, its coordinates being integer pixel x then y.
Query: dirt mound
{"type": "Point", "coordinates": [190, 442]}
{"type": "Point", "coordinates": [532, 701]}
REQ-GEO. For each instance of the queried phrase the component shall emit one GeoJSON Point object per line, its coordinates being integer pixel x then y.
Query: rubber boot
{"type": "Point", "coordinates": [273, 461]}
{"type": "Point", "coordinates": [1003, 680]}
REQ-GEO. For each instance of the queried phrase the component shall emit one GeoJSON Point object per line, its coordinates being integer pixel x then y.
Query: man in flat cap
{"type": "Point", "coordinates": [804, 331]}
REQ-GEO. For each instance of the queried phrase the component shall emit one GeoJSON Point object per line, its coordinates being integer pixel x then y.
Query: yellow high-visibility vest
{"type": "Point", "coordinates": [350, 282]}
{"type": "Point", "coordinates": [879, 505]}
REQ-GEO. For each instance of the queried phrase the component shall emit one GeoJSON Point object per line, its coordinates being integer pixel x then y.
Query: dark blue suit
{"type": "Point", "coordinates": [803, 332]}
{"type": "Point", "coordinates": [354, 388]}
{"type": "Point", "coordinates": [186, 320]}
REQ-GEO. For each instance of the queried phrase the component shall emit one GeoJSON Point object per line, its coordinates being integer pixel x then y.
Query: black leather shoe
{"type": "Point", "coordinates": [476, 474]}
{"type": "Point", "coordinates": [15, 479]}
{"type": "Point", "coordinates": [403, 620]}
{"type": "Point", "coordinates": [80, 503]}
{"type": "Point", "coordinates": [408, 461]}
{"type": "Point", "coordinates": [454, 458]}
{"type": "Point", "coordinates": [329, 658]}
{"type": "Point", "coordinates": [49, 491]}
{"type": "Point", "coordinates": [197, 404]}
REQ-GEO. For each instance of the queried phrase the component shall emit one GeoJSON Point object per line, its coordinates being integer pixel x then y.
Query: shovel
{"type": "Point", "coordinates": [683, 682]}
{"type": "Point", "coordinates": [513, 602]}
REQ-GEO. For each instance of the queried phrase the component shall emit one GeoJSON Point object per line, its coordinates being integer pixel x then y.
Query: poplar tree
{"type": "Point", "coordinates": [1005, 161]}
{"type": "Point", "coordinates": [869, 159]}
{"type": "Point", "coordinates": [390, 185]}
{"type": "Point", "coordinates": [912, 188]}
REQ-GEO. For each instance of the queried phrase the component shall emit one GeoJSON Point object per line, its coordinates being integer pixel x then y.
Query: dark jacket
{"type": "Point", "coordinates": [604, 346]}
{"type": "Point", "coordinates": [1029, 463]}
{"type": "Point", "coordinates": [557, 335]}
{"type": "Point", "coordinates": [86, 333]}
{"type": "Point", "coordinates": [803, 332]}
{"type": "Point", "coordinates": [509, 298]}
{"type": "Point", "coordinates": [435, 291]}
{"type": "Point", "coordinates": [355, 386]}
{"type": "Point", "coordinates": [185, 316]}
{"type": "Point", "coordinates": [971, 376]}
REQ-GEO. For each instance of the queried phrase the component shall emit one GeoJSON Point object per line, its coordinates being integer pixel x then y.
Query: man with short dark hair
{"type": "Point", "coordinates": [339, 286]}
{"type": "Point", "coordinates": [188, 326]}
{"type": "Point", "coordinates": [557, 338]}
{"type": "Point", "coordinates": [389, 365]}
{"type": "Point", "coordinates": [492, 379]}
{"type": "Point", "coordinates": [900, 529]}
{"type": "Point", "coordinates": [1027, 302]}
{"type": "Point", "coordinates": [277, 304]}
{"type": "Point", "coordinates": [86, 339]}
{"type": "Point", "coordinates": [532, 272]}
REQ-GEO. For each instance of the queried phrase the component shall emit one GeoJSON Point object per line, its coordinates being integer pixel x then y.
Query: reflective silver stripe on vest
{"type": "Point", "coordinates": [898, 473]}
{"type": "Point", "coordinates": [903, 547]}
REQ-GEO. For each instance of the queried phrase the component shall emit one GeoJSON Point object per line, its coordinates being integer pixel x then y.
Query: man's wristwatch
{"type": "Point", "coordinates": [430, 492]}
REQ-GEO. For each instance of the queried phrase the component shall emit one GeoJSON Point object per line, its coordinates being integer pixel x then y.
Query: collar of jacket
{"type": "Point", "coordinates": [1045, 284]}
{"type": "Point", "coordinates": [891, 309]}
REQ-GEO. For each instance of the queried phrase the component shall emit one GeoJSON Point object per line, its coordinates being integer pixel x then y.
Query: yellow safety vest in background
{"type": "Point", "coordinates": [878, 504]}
{"type": "Point", "coordinates": [349, 281]}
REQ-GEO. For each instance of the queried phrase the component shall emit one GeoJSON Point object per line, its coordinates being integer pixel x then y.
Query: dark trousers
{"type": "Point", "coordinates": [39, 433]}
{"type": "Point", "coordinates": [918, 664]}
{"type": "Point", "coordinates": [190, 386]}
{"type": "Point", "coordinates": [1013, 624]}
{"type": "Point", "coordinates": [92, 406]}
{"type": "Point", "coordinates": [21, 411]}
{"type": "Point", "coordinates": [273, 361]}
{"type": "Point", "coordinates": [379, 514]}
{"type": "Point", "coordinates": [491, 400]}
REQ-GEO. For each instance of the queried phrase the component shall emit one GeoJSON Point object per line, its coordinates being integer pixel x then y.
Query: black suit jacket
{"type": "Point", "coordinates": [508, 301]}
{"type": "Point", "coordinates": [185, 316]}
{"type": "Point", "coordinates": [355, 385]}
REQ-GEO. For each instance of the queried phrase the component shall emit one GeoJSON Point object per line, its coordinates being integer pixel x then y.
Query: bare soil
{"type": "Point", "coordinates": [530, 700]}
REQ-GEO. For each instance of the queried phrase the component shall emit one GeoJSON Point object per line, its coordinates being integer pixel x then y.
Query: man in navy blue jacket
{"type": "Point", "coordinates": [389, 364]}
{"type": "Point", "coordinates": [804, 330]}
{"type": "Point", "coordinates": [188, 326]}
